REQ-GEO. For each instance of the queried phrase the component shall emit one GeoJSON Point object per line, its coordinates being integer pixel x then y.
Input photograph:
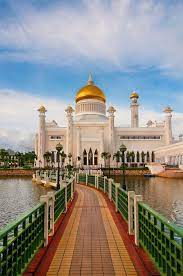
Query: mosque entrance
{"type": "Point", "coordinates": [90, 158]}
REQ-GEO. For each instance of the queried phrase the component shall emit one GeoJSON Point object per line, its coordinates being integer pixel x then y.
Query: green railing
{"type": "Point", "coordinates": [123, 203]}
{"type": "Point", "coordinates": [162, 240]}
{"type": "Point", "coordinates": [59, 206]}
{"type": "Point", "coordinates": [91, 180]}
{"type": "Point", "coordinates": [82, 178]}
{"type": "Point", "coordinates": [107, 186]}
{"type": "Point", "coordinates": [68, 192]}
{"type": "Point", "coordinates": [113, 192]}
{"type": "Point", "coordinates": [20, 240]}
{"type": "Point", "coordinates": [101, 183]}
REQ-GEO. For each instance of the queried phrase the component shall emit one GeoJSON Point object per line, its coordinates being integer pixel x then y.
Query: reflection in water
{"type": "Point", "coordinates": [17, 195]}
{"type": "Point", "coordinates": [165, 195]}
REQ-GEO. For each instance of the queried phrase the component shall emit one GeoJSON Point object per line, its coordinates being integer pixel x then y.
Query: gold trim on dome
{"type": "Point", "coordinates": [42, 109]}
{"type": "Point", "coordinates": [134, 95]}
{"type": "Point", "coordinates": [90, 92]}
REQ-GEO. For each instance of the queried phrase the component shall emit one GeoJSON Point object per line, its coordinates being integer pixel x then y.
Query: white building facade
{"type": "Point", "coordinates": [91, 130]}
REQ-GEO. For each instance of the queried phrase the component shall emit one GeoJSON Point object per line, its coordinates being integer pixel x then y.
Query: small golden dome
{"type": "Point", "coordinates": [42, 109]}
{"type": "Point", "coordinates": [134, 95]}
{"type": "Point", "coordinates": [90, 91]}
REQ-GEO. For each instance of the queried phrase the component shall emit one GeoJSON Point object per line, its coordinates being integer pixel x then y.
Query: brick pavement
{"type": "Point", "coordinates": [91, 243]}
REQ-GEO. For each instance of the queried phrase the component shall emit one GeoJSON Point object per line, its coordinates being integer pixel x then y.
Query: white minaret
{"type": "Point", "coordinates": [41, 136]}
{"type": "Point", "coordinates": [111, 110]}
{"type": "Point", "coordinates": [168, 125]}
{"type": "Point", "coordinates": [69, 140]}
{"type": "Point", "coordinates": [134, 109]}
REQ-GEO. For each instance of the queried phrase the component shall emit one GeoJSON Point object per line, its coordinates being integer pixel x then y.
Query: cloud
{"type": "Point", "coordinates": [122, 35]}
{"type": "Point", "coordinates": [19, 117]}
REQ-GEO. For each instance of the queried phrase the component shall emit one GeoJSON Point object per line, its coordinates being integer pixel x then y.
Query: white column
{"type": "Point", "coordinates": [41, 136]}
{"type": "Point", "coordinates": [111, 141]}
{"type": "Point", "coordinates": [101, 146]}
{"type": "Point", "coordinates": [134, 109]}
{"type": "Point", "coordinates": [69, 138]}
{"type": "Point", "coordinates": [168, 125]}
{"type": "Point", "coordinates": [137, 198]}
{"type": "Point", "coordinates": [78, 144]}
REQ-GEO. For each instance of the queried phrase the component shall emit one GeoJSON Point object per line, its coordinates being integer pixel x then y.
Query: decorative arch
{"type": "Point", "coordinates": [96, 157]}
{"type": "Point", "coordinates": [84, 157]}
{"type": "Point", "coordinates": [90, 157]}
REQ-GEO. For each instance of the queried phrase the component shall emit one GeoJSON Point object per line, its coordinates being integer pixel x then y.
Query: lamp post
{"type": "Point", "coordinates": [122, 150]}
{"type": "Point", "coordinates": [59, 148]}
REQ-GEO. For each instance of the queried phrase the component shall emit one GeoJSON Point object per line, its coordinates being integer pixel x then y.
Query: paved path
{"type": "Point", "coordinates": [91, 243]}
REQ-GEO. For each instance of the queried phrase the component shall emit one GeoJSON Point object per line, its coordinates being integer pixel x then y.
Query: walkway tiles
{"type": "Point", "coordinates": [91, 243]}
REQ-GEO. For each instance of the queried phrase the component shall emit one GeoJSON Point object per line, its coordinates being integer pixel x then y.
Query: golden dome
{"type": "Point", "coordinates": [90, 91]}
{"type": "Point", "coordinates": [134, 95]}
{"type": "Point", "coordinates": [42, 109]}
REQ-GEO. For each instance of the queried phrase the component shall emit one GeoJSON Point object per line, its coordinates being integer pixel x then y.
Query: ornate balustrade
{"type": "Point", "coordinates": [162, 240]}
{"type": "Point", "coordinates": [21, 239]}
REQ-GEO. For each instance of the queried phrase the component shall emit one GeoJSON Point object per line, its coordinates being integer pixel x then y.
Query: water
{"type": "Point", "coordinates": [17, 195]}
{"type": "Point", "coordinates": [164, 195]}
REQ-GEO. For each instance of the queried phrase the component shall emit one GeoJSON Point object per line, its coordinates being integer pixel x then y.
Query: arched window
{"type": "Point", "coordinates": [84, 157]}
{"type": "Point", "coordinates": [90, 157]}
{"type": "Point", "coordinates": [96, 157]}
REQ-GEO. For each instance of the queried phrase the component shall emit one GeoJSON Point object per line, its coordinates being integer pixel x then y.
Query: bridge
{"type": "Point", "coordinates": [91, 226]}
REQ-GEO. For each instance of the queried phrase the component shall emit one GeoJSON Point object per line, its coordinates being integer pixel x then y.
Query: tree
{"type": "Point", "coordinates": [104, 155]}
{"type": "Point", "coordinates": [138, 156]}
{"type": "Point", "coordinates": [148, 156]}
{"type": "Point", "coordinates": [117, 156]}
{"type": "Point", "coordinates": [143, 157]}
{"type": "Point", "coordinates": [132, 154]}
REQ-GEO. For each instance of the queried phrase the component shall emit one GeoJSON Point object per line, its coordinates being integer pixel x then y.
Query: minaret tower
{"type": "Point", "coordinates": [168, 125]}
{"type": "Point", "coordinates": [111, 110]}
{"type": "Point", "coordinates": [134, 109]}
{"type": "Point", "coordinates": [41, 135]}
{"type": "Point", "coordinates": [69, 111]}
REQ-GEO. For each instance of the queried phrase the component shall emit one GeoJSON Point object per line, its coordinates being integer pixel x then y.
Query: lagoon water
{"type": "Point", "coordinates": [165, 195]}
{"type": "Point", "coordinates": [19, 194]}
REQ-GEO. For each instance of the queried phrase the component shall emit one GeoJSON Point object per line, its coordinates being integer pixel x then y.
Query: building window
{"type": "Point", "coordinates": [56, 137]}
{"type": "Point", "coordinates": [138, 137]}
{"type": "Point", "coordinates": [96, 157]}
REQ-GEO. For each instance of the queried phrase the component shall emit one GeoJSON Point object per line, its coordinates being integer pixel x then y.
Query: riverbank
{"type": "Point", "coordinates": [16, 172]}
{"type": "Point", "coordinates": [131, 172]}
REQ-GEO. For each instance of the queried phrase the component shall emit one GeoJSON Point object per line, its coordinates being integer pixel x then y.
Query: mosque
{"type": "Point", "coordinates": [91, 130]}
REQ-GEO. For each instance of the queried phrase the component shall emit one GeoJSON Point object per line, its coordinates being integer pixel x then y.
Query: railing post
{"type": "Point", "coordinates": [117, 185]}
{"type": "Point", "coordinates": [131, 195]}
{"type": "Point", "coordinates": [86, 179]}
{"type": "Point", "coordinates": [66, 197]}
{"type": "Point", "coordinates": [72, 189]}
{"type": "Point", "coordinates": [105, 177]}
{"type": "Point", "coordinates": [110, 188]}
{"type": "Point", "coordinates": [96, 181]}
{"type": "Point", "coordinates": [77, 178]}
{"type": "Point", "coordinates": [44, 198]}
{"type": "Point", "coordinates": [137, 199]}
{"type": "Point", "coordinates": [51, 198]}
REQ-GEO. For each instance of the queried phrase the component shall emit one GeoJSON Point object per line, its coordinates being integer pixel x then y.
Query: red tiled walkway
{"type": "Point", "coordinates": [91, 243]}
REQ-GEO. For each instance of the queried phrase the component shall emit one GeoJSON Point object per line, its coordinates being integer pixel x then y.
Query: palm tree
{"type": "Point", "coordinates": [117, 156]}
{"type": "Point", "coordinates": [104, 155]}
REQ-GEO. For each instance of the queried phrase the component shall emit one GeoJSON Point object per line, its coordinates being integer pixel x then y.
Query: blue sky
{"type": "Point", "coordinates": [48, 48]}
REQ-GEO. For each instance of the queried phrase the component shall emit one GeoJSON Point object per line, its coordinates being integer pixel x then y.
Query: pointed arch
{"type": "Point", "coordinates": [84, 157]}
{"type": "Point", "coordinates": [96, 157]}
{"type": "Point", "coordinates": [90, 157]}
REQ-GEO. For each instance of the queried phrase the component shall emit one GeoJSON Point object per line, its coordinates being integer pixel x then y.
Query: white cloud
{"type": "Point", "coordinates": [19, 117]}
{"type": "Point", "coordinates": [120, 35]}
